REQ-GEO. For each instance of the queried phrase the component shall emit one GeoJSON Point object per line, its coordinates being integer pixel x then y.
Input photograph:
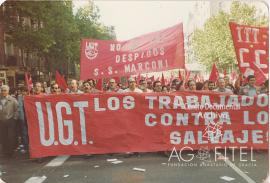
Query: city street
{"type": "Point", "coordinates": [153, 167]}
{"type": "Point", "coordinates": [134, 91]}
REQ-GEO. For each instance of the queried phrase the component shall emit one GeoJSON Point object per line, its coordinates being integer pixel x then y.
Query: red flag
{"type": "Point", "coordinates": [180, 76]}
{"type": "Point", "coordinates": [152, 78]}
{"type": "Point", "coordinates": [99, 84]}
{"type": "Point", "coordinates": [28, 81]}
{"type": "Point", "coordinates": [167, 81]}
{"type": "Point", "coordinates": [224, 72]}
{"type": "Point", "coordinates": [162, 80]}
{"type": "Point", "coordinates": [200, 78]}
{"type": "Point", "coordinates": [125, 81]}
{"type": "Point", "coordinates": [233, 75]}
{"type": "Point", "coordinates": [60, 80]}
{"type": "Point", "coordinates": [170, 39]}
{"type": "Point", "coordinates": [257, 72]}
{"type": "Point", "coordinates": [138, 79]}
{"type": "Point", "coordinates": [249, 48]}
{"type": "Point", "coordinates": [196, 78]}
{"type": "Point", "coordinates": [171, 78]}
{"type": "Point", "coordinates": [214, 73]}
{"type": "Point", "coordinates": [187, 75]}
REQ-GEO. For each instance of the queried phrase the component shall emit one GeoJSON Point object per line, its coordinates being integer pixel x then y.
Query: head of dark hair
{"type": "Point", "coordinates": [175, 80]}
{"type": "Point", "coordinates": [189, 81]}
{"type": "Point", "coordinates": [93, 81]}
{"type": "Point", "coordinates": [207, 81]}
{"type": "Point", "coordinates": [266, 83]}
{"type": "Point", "coordinates": [155, 82]}
{"type": "Point", "coordinates": [87, 81]}
{"type": "Point", "coordinates": [199, 86]}
{"type": "Point", "coordinates": [23, 88]}
{"type": "Point", "coordinates": [141, 80]}
{"type": "Point", "coordinates": [250, 77]}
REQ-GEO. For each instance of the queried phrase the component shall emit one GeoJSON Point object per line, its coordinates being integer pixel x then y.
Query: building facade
{"type": "Point", "coordinates": [14, 61]}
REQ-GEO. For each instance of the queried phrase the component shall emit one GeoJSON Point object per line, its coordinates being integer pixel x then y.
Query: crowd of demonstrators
{"type": "Point", "coordinates": [13, 122]}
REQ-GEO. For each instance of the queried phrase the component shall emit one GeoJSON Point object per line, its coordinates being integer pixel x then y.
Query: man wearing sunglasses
{"type": "Point", "coordinates": [55, 89]}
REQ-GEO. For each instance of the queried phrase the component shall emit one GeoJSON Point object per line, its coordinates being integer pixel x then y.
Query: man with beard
{"type": "Point", "coordinates": [88, 87]}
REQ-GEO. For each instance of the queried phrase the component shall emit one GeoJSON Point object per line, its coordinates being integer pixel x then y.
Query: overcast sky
{"type": "Point", "coordinates": [133, 18]}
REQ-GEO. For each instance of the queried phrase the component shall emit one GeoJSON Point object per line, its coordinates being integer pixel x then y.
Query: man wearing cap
{"type": "Point", "coordinates": [132, 86]}
{"type": "Point", "coordinates": [8, 118]}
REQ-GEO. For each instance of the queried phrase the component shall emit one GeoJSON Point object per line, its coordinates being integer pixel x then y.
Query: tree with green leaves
{"type": "Point", "coordinates": [213, 43]}
{"type": "Point", "coordinates": [51, 30]}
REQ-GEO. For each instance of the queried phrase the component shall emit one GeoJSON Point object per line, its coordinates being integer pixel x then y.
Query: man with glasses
{"type": "Point", "coordinates": [132, 87]}
{"type": "Point", "coordinates": [113, 86]}
{"type": "Point", "coordinates": [55, 89]}
{"type": "Point", "coordinates": [143, 86]}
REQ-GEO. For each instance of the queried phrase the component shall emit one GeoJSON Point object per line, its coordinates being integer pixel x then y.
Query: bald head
{"type": "Point", "coordinates": [4, 90]}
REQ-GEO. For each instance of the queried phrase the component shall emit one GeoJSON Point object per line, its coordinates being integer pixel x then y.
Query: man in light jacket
{"type": "Point", "coordinates": [8, 119]}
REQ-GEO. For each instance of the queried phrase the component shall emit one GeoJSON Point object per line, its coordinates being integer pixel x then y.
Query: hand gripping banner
{"type": "Point", "coordinates": [117, 123]}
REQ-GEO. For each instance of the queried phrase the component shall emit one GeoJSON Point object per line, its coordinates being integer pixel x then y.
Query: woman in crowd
{"type": "Point", "coordinates": [191, 85]}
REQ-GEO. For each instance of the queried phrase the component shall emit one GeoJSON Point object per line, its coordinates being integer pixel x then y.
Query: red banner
{"type": "Point", "coordinates": [251, 46]}
{"type": "Point", "coordinates": [157, 51]}
{"type": "Point", "coordinates": [115, 123]}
